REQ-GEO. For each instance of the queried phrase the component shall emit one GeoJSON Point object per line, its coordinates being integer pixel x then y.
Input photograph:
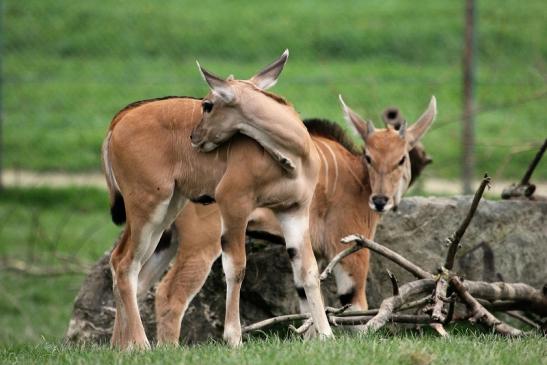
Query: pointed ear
{"type": "Point", "coordinates": [267, 78]}
{"type": "Point", "coordinates": [355, 122]}
{"type": "Point", "coordinates": [219, 86]}
{"type": "Point", "coordinates": [417, 130]}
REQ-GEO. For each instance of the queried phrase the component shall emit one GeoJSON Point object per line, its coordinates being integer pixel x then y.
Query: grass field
{"type": "Point", "coordinates": [69, 66]}
{"type": "Point", "coordinates": [462, 348]}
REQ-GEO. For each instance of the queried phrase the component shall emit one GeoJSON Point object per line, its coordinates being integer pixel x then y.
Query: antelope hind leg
{"type": "Point", "coordinates": [127, 260]}
{"type": "Point", "coordinates": [181, 284]}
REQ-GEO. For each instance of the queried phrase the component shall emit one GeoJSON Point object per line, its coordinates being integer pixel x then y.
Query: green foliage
{"type": "Point", "coordinates": [70, 65]}
{"type": "Point", "coordinates": [52, 230]}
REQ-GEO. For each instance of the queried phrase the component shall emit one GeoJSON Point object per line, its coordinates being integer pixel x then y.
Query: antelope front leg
{"type": "Point", "coordinates": [295, 226]}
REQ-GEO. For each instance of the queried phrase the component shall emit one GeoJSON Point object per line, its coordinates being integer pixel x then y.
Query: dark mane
{"type": "Point", "coordinates": [328, 129]}
{"type": "Point", "coordinates": [135, 104]}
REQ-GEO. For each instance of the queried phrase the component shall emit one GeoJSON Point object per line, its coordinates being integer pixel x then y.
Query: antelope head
{"type": "Point", "coordinates": [223, 114]}
{"type": "Point", "coordinates": [386, 152]}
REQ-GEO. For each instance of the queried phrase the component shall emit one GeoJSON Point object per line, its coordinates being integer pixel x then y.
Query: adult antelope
{"type": "Point", "coordinates": [152, 170]}
{"type": "Point", "coordinates": [354, 187]}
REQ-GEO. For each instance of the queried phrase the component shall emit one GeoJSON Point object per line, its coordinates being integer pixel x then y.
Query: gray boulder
{"type": "Point", "coordinates": [506, 240]}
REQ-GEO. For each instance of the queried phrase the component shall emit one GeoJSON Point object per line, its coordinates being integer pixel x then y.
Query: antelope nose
{"type": "Point", "coordinates": [379, 202]}
{"type": "Point", "coordinates": [194, 137]}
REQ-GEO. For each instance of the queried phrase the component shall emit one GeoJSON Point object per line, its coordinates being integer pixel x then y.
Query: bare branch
{"type": "Point", "coordinates": [303, 328]}
{"type": "Point", "coordinates": [390, 305]}
{"type": "Point", "coordinates": [394, 283]}
{"type": "Point", "coordinates": [524, 319]}
{"type": "Point", "coordinates": [274, 320]}
{"type": "Point", "coordinates": [524, 188]}
{"type": "Point", "coordinates": [438, 297]}
{"type": "Point", "coordinates": [509, 296]}
{"type": "Point", "coordinates": [348, 251]}
{"type": "Point", "coordinates": [439, 328]}
{"type": "Point", "coordinates": [454, 239]}
{"type": "Point", "coordinates": [479, 313]}
{"type": "Point", "coordinates": [396, 318]}
{"type": "Point", "coordinates": [414, 269]}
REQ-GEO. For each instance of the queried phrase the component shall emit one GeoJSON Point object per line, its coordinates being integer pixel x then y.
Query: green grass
{"type": "Point", "coordinates": [48, 229]}
{"type": "Point", "coordinates": [69, 66]}
{"type": "Point", "coordinates": [461, 348]}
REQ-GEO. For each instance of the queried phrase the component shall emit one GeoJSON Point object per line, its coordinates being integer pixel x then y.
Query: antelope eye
{"type": "Point", "coordinates": [207, 106]}
{"type": "Point", "coordinates": [367, 158]}
{"type": "Point", "coordinates": [402, 161]}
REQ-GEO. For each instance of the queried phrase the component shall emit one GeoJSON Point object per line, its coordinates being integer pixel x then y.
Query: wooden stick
{"type": "Point", "coordinates": [414, 269]}
{"type": "Point", "coordinates": [348, 251]}
{"type": "Point", "coordinates": [274, 320]}
{"type": "Point", "coordinates": [455, 238]}
{"type": "Point", "coordinates": [389, 305]}
{"type": "Point", "coordinates": [395, 318]}
{"type": "Point", "coordinates": [526, 178]}
{"type": "Point", "coordinates": [303, 328]}
{"type": "Point", "coordinates": [509, 296]}
{"type": "Point", "coordinates": [523, 318]}
{"type": "Point", "coordinates": [479, 313]}
{"type": "Point", "coordinates": [394, 283]}
{"type": "Point", "coordinates": [454, 242]}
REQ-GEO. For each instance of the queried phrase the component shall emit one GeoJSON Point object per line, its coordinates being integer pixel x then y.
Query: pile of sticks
{"type": "Point", "coordinates": [433, 296]}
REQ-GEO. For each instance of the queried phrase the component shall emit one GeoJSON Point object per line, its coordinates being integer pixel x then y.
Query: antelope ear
{"type": "Point", "coordinates": [416, 131]}
{"type": "Point", "coordinates": [218, 86]}
{"type": "Point", "coordinates": [355, 122]}
{"type": "Point", "coordinates": [267, 78]}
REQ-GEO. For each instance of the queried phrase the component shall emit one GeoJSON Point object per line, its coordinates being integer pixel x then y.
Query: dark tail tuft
{"type": "Point", "coordinates": [117, 210]}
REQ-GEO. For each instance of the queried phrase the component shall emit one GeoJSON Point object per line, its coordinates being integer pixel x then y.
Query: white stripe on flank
{"type": "Point", "coordinates": [335, 167]}
{"type": "Point", "coordinates": [325, 167]}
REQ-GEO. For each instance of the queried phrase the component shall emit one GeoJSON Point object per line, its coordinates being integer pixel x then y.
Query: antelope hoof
{"type": "Point", "coordinates": [233, 340]}
{"type": "Point", "coordinates": [136, 346]}
{"type": "Point", "coordinates": [326, 336]}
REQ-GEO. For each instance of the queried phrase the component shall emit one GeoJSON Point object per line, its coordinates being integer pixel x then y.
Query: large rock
{"type": "Point", "coordinates": [506, 239]}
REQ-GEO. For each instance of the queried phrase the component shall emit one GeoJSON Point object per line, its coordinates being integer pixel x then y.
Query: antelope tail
{"type": "Point", "coordinates": [117, 206]}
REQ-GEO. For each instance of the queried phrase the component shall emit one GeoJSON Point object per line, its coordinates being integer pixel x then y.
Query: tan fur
{"type": "Point", "coordinates": [340, 207]}
{"type": "Point", "coordinates": [157, 170]}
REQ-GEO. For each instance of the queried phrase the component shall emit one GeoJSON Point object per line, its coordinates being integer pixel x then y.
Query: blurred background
{"type": "Point", "coordinates": [69, 66]}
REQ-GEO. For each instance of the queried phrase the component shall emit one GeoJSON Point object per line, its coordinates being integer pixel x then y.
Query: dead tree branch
{"type": "Point", "coordinates": [390, 305]}
{"type": "Point", "coordinates": [394, 283]}
{"type": "Point", "coordinates": [455, 238]}
{"type": "Point", "coordinates": [454, 243]}
{"type": "Point", "coordinates": [409, 266]}
{"type": "Point", "coordinates": [479, 313]}
{"type": "Point", "coordinates": [348, 251]}
{"type": "Point", "coordinates": [524, 187]}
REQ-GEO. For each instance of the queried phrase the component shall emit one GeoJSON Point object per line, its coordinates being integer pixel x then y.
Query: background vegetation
{"type": "Point", "coordinates": [69, 66]}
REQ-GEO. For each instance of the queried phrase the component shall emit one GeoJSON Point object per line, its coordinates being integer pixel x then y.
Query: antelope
{"type": "Point", "coordinates": [354, 188]}
{"type": "Point", "coordinates": [155, 161]}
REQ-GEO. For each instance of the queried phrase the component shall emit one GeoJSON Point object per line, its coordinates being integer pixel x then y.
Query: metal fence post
{"type": "Point", "coordinates": [1, 91]}
{"type": "Point", "coordinates": [468, 127]}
